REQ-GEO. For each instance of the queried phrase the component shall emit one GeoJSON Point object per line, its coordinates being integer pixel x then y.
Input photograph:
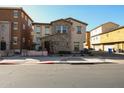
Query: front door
{"type": "Point", "coordinates": [47, 46]}
{"type": "Point", "coordinates": [3, 45]}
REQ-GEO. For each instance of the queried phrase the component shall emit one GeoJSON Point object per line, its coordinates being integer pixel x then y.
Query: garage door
{"type": "Point", "coordinates": [97, 47]}
{"type": "Point", "coordinates": [106, 47]}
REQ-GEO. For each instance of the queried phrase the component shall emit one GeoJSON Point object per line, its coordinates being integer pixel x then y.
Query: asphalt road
{"type": "Point", "coordinates": [62, 76]}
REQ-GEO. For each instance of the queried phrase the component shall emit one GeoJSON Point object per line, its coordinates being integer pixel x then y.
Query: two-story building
{"type": "Point", "coordinates": [40, 30]}
{"type": "Point", "coordinates": [95, 37]}
{"type": "Point", "coordinates": [61, 35]}
{"type": "Point", "coordinates": [113, 39]}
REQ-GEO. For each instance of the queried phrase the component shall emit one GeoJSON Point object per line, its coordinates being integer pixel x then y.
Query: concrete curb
{"type": "Point", "coordinates": [52, 62]}
{"type": "Point", "coordinates": [68, 62]}
{"type": "Point", "coordinates": [118, 61]}
{"type": "Point", "coordinates": [87, 61]}
{"type": "Point", "coordinates": [12, 62]}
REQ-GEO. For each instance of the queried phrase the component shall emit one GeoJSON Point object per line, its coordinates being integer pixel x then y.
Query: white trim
{"type": "Point", "coordinates": [4, 22]}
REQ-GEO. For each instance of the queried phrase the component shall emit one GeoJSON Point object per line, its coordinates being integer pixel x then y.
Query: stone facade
{"type": "Point", "coordinates": [57, 42]}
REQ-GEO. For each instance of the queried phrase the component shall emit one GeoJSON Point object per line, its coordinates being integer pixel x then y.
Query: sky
{"type": "Point", "coordinates": [94, 15]}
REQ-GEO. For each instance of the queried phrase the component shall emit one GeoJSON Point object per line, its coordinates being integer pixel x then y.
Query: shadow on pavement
{"type": "Point", "coordinates": [92, 63]}
{"type": "Point", "coordinates": [9, 63]}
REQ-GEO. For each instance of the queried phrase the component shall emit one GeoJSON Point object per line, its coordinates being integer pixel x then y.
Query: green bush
{"type": "Point", "coordinates": [64, 52]}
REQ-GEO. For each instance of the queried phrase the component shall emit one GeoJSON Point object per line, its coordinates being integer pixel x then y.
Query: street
{"type": "Point", "coordinates": [62, 75]}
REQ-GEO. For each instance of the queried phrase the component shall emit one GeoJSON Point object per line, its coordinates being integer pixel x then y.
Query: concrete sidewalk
{"type": "Point", "coordinates": [99, 57]}
{"type": "Point", "coordinates": [55, 60]}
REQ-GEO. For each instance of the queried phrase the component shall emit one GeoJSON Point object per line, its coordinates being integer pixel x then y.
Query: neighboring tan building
{"type": "Point", "coordinates": [113, 39]}
{"type": "Point", "coordinates": [15, 29]}
{"type": "Point", "coordinates": [61, 35]}
{"type": "Point", "coordinates": [95, 37]}
{"type": "Point", "coordinates": [87, 43]}
{"type": "Point", "coordinates": [40, 30]}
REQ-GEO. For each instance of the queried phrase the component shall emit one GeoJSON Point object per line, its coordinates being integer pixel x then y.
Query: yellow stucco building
{"type": "Point", "coordinates": [113, 39]}
{"type": "Point", "coordinates": [99, 36]}
{"type": "Point", "coordinates": [108, 36]}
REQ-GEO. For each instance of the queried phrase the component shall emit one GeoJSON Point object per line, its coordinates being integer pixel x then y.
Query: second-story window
{"type": "Point", "coordinates": [58, 29]}
{"type": "Point", "coordinates": [79, 29]}
{"type": "Point", "coordinates": [47, 30]}
{"type": "Point", "coordinates": [37, 28]}
{"type": "Point", "coordinates": [15, 40]}
{"type": "Point", "coordinates": [61, 29]}
{"type": "Point", "coordinates": [15, 14]}
{"type": "Point", "coordinates": [65, 28]}
{"type": "Point", "coordinates": [15, 26]}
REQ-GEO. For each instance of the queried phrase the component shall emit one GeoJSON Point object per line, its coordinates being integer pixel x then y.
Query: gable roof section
{"type": "Point", "coordinates": [76, 20]}
{"type": "Point", "coordinates": [36, 23]}
{"type": "Point", "coordinates": [121, 27]}
{"type": "Point", "coordinates": [61, 20]}
{"type": "Point", "coordinates": [103, 25]}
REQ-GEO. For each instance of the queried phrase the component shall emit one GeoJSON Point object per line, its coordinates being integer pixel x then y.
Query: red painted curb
{"type": "Point", "coordinates": [47, 62]}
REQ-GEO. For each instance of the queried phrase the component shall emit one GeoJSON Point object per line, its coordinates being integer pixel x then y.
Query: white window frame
{"type": "Point", "coordinates": [65, 28]}
{"type": "Point", "coordinates": [78, 29]}
{"type": "Point", "coordinates": [37, 28]}
{"type": "Point", "coordinates": [15, 25]}
{"type": "Point", "coordinates": [15, 40]}
{"type": "Point", "coordinates": [15, 13]}
{"type": "Point", "coordinates": [61, 28]}
{"type": "Point", "coordinates": [47, 29]}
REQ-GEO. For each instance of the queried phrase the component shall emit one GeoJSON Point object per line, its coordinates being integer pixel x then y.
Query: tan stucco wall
{"type": "Point", "coordinates": [109, 26]}
{"type": "Point", "coordinates": [43, 30]}
{"type": "Point", "coordinates": [77, 37]}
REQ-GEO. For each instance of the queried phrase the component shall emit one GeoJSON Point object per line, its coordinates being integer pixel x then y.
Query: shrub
{"type": "Point", "coordinates": [64, 52]}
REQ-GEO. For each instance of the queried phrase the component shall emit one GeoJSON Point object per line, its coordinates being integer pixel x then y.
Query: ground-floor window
{"type": "Point", "coordinates": [76, 46]}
